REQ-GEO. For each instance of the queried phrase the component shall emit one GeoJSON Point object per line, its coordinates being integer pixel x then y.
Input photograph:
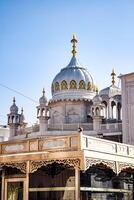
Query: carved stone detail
{"type": "Point", "coordinates": [110, 164]}
{"type": "Point", "coordinates": [19, 165]}
{"type": "Point", "coordinates": [124, 166]}
{"type": "Point", "coordinates": [35, 165]}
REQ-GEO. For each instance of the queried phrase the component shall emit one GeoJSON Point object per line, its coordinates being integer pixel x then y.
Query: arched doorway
{"type": "Point", "coordinates": [14, 184]}
{"type": "Point", "coordinates": [100, 182]}
{"type": "Point", "coordinates": [53, 181]}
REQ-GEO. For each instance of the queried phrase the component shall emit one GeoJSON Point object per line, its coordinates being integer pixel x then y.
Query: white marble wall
{"type": "Point", "coordinates": [128, 107]}
{"type": "Point", "coordinates": [68, 112]}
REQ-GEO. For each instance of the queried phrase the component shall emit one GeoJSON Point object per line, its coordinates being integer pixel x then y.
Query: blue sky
{"type": "Point", "coordinates": [35, 44]}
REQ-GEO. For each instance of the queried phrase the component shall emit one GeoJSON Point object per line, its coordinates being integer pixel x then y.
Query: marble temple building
{"type": "Point", "coordinates": [82, 146]}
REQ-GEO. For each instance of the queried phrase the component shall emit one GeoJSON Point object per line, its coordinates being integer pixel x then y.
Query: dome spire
{"type": "Point", "coordinates": [74, 41]}
{"type": "Point", "coordinates": [14, 100]}
{"type": "Point", "coordinates": [113, 74]}
{"type": "Point", "coordinates": [43, 92]}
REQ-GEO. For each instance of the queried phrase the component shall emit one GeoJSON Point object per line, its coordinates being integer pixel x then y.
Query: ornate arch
{"type": "Point", "coordinates": [64, 85]}
{"type": "Point", "coordinates": [96, 162]}
{"type": "Point", "coordinates": [125, 167]}
{"type": "Point", "coordinates": [18, 165]}
{"type": "Point", "coordinates": [35, 165]}
{"type": "Point", "coordinates": [73, 84]}
{"type": "Point", "coordinates": [57, 86]}
{"type": "Point", "coordinates": [82, 85]}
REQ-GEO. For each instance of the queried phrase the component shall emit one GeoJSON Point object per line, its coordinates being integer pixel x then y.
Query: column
{"type": "Point", "coordinates": [117, 113]}
{"type": "Point", "coordinates": [77, 184]}
{"type": "Point", "coordinates": [27, 183]}
{"type": "Point", "coordinates": [109, 110]}
{"type": "Point", "coordinates": [3, 185]}
{"type": "Point", "coordinates": [97, 121]}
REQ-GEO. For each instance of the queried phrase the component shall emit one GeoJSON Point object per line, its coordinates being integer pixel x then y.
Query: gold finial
{"type": "Point", "coordinates": [14, 100]}
{"type": "Point", "coordinates": [113, 74]}
{"type": "Point", "coordinates": [74, 41]}
{"type": "Point", "coordinates": [43, 91]}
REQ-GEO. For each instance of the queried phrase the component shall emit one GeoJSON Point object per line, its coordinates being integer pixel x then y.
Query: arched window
{"type": "Point", "coordinates": [73, 84]}
{"type": "Point", "coordinates": [97, 111]}
{"type": "Point", "coordinates": [113, 110]}
{"type": "Point", "coordinates": [89, 86]}
{"type": "Point", "coordinates": [64, 85]}
{"type": "Point", "coordinates": [52, 88]}
{"type": "Point", "coordinates": [82, 84]}
{"type": "Point", "coordinates": [105, 110]}
{"type": "Point", "coordinates": [57, 86]}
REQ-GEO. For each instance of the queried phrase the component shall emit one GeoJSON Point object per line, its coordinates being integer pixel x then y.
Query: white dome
{"type": "Point", "coordinates": [73, 81]}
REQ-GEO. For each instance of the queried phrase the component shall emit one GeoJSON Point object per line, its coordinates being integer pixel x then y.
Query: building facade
{"type": "Point", "coordinates": [76, 151]}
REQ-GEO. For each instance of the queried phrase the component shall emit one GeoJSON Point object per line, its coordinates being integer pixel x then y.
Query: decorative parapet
{"type": "Point", "coordinates": [96, 144]}
{"type": "Point", "coordinates": [35, 165]}
{"type": "Point", "coordinates": [57, 143]}
{"type": "Point", "coordinates": [106, 146]}
{"type": "Point", "coordinates": [14, 148]}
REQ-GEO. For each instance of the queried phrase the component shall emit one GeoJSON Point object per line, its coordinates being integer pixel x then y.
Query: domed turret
{"type": "Point", "coordinates": [14, 108]}
{"type": "Point", "coordinates": [43, 99]}
{"type": "Point", "coordinates": [74, 81]}
{"type": "Point", "coordinates": [42, 113]}
{"type": "Point", "coordinates": [112, 90]}
{"type": "Point", "coordinates": [15, 120]}
{"type": "Point", "coordinates": [111, 98]}
{"type": "Point", "coordinates": [97, 99]}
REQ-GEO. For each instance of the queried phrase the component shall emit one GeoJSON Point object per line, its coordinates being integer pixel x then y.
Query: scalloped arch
{"type": "Point", "coordinates": [64, 85]}
{"type": "Point", "coordinates": [73, 84]}
{"type": "Point", "coordinates": [82, 85]}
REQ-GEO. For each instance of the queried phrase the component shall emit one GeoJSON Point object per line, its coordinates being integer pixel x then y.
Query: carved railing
{"type": "Point", "coordinates": [111, 127]}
